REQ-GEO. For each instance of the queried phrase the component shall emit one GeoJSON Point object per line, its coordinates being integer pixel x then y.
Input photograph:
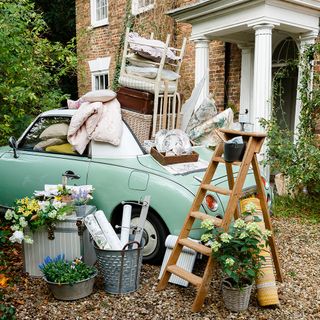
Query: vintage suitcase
{"type": "Point", "coordinates": [136, 100]}
{"type": "Point", "coordinates": [69, 237]}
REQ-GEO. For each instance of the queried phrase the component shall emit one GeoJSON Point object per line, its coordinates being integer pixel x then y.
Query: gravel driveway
{"type": "Point", "coordinates": [299, 294]}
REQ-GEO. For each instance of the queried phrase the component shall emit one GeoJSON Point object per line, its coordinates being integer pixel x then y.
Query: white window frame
{"type": "Point", "coordinates": [97, 74]}
{"type": "Point", "coordinates": [136, 10]}
{"type": "Point", "coordinates": [98, 67]}
{"type": "Point", "coordinates": [94, 22]}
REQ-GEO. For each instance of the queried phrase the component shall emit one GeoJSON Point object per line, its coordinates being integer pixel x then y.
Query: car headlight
{"type": "Point", "coordinates": [211, 202]}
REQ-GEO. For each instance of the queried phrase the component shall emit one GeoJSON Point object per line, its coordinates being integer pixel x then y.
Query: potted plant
{"type": "Point", "coordinates": [35, 212]}
{"type": "Point", "coordinates": [68, 280]}
{"type": "Point", "coordinates": [80, 197]}
{"type": "Point", "coordinates": [238, 254]}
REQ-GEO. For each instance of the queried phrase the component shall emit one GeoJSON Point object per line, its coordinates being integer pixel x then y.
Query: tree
{"type": "Point", "coordinates": [30, 66]}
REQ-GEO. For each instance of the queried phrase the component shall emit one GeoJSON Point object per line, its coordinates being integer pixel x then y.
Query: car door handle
{"type": "Point", "coordinates": [71, 175]}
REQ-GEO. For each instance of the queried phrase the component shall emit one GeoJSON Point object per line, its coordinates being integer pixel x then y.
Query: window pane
{"type": "Point", "coordinates": [101, 9]}
{"type": "Point", "coordinates": [96, 83]}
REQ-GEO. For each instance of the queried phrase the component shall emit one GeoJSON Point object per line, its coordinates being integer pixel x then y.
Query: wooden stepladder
{"type": "Point", "coordinates": [254, 143]}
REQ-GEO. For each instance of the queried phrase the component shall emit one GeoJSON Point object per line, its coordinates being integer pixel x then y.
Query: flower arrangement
{"type": "Point", "coordinates": [42, 209]}
{"type": "Point", "coordinates": [237, 251]}
{"type": "Point", "coordinates": [60, 271]}
{"type": "Point", "coordinates": [81, 195]}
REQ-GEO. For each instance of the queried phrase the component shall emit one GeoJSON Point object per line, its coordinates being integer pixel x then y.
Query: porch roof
{"type": "Point", "coordinates": [232, 20]}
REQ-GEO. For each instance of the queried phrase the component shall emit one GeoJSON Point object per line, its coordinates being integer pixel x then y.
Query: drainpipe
{"type": "Point", "coordinates": [227, 58]}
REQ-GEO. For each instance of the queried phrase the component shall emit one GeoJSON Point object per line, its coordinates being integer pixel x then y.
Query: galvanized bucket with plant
{"type": "Point", "coordinates": [68, 280]}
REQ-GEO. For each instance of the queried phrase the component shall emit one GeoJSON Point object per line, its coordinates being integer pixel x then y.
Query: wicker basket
{"type": "Point", "coordinates": [234, 298]}
{"type": "Point", "coordinates": [141, 124]}
{"type": "Point", "coordinates": [120, 268]}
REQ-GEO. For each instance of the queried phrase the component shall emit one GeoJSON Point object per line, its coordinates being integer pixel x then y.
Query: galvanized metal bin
{"type": "Point", "coordinates": [120, 268]}
{"type": "Point", "coordinates": [68, 236]}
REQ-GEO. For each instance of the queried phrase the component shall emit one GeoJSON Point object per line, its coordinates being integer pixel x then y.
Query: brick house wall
{"type": "Point", "coordinates": [104, 41]}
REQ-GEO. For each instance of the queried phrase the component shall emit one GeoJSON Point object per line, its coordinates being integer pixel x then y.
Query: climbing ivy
{"type": "Point", "coordinates": [298, 157]}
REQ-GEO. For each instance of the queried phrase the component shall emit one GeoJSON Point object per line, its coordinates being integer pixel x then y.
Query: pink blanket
{"type": "Point", "coordinates": [95, 121]}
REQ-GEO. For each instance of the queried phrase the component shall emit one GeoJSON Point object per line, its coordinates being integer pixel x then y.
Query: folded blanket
{"type": "Point", "coordinates": [95, 121]}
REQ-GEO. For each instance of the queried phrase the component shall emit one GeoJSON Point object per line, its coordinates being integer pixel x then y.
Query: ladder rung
{"type": "Point", "coordinates": [213, 188]}
{"type": "Point", "coordinates": [220, 159]}
{"type": "Point", "coordinates": [185, 275]}
{"type": "Point", "coordinates": [198, 247]}
{"type": "Point", "coordinates": [203, 216]}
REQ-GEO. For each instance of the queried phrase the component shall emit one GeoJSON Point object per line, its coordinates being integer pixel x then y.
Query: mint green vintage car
{"type": "Point", "coordinates": [122, 173]}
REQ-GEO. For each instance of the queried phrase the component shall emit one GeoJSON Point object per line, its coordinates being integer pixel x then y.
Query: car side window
{"type": "Point", "coordinates": [48, 134]}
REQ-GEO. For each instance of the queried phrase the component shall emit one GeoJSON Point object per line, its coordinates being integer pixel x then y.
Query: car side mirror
{"type": "Point", "coordinates": [13, 144]}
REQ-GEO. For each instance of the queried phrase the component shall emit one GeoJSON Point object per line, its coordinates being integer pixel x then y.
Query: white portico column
{"type": "Point", "coordinates": [246, 83]}
{"type": "Point", "coordinates": [202, 66]}
{"type": "Point", "coordinates": [305, 40]}
{"type": "Point", "coordinates": [262, 74]}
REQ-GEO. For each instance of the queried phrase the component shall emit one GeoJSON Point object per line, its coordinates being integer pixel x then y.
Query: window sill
{"type": "Point", "coordinates": [101, 23]}
{"type": "Point", "coordinates": [135, 12]}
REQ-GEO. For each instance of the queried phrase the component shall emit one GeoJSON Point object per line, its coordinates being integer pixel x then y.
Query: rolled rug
{"type": "Point", "coordinates": [267, 292]}
{"type": "Point", "coordinates": [96, 232]}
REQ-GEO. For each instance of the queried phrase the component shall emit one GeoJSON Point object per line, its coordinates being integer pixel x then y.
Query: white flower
{"type": "Point", "coordinates": [215, 245]}
{"type": "Point", "coordinates": [252, 227]}
{"type": "Point", "coordinates": [250, 207]}
{"type": "Point", "coordinates": [61, 217]}
{"type": "Point", "coordinates": [206, 237]}
{"type": "Point", "coordinates": [229, 262]}
{"type": "Point", "coordinates": [58, 204]}
{"type": "Point", "coordinates": [239, 223]}
{"type": "Point", "coordinates": [243, 235]}
{"type": "Point", "coordinates": [207, 224]}
{"type": "Point", "coordinates": [43, 205]}
{"type": "Point", "coordinates": [23, 222]}
{"type": "Point", "coordinates": [17, 237]}
{"type": "Point", "coordinates": [52, 214]}
{"type": "Point", "coordinates": [28, 240]}
{"type": "Point", "coordinates": [9, 214]}
{"type": "Point", "coordinates": [15, 227]}
{"type": "Point", "coordinates": [225, 237]}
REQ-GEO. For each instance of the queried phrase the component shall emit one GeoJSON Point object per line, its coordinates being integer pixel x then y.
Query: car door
{"type": "Point", "coordinates": [42, 157]}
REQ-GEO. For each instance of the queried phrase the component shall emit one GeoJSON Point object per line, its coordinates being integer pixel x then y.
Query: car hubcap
{"type": "Point", "coordinates": [150, 236]}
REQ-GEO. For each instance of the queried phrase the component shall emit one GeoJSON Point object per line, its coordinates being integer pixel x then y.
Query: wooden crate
{"type": "Point", "coordinates": [165, 160]}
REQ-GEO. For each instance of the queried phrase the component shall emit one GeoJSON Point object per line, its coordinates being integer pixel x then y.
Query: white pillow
{"type": "Point", "coordinates": [58, 130]}
{"type": "Point", "coordinates": [99, 96]}
{"type": "Point", "coordinates": [169, 75]}
{"type": "Point", "coordinates": [138, 61]}
{"type": "Point", "coordinates": [149, 73]}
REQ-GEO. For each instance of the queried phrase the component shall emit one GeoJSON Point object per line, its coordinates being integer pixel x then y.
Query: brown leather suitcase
{"type": "Point", "coordinates": [136, 100]}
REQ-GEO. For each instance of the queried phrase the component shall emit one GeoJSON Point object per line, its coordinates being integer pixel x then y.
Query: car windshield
{"type": "Point", "coordinates": [48, 134]}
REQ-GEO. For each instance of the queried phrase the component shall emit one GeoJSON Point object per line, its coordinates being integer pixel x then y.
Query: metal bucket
{"type": "Point", "coordinates": [120, 268]}
{"type": "Point", "coordinates": [78, 290]}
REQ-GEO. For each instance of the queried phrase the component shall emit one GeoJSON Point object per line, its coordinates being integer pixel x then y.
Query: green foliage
{"type": "Point", "coordinates": [127, 23]}
{"type": "Point", "coordinates": [30, 66]}
{"type": "Point", "coordinates": [297, 157]}
{"type": "Point", "coordinates": [59, 270]}
{"type": "Point", "coordinates": [237, 251]}
{"type": "Point", "coordinates": [305, 207]}
{"type": "Point", "coordinates": [6, 312]}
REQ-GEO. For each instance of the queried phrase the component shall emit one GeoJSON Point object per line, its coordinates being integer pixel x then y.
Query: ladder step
{"type": "Point", "coordinates": [213, 188]}
{"type": "Point", "coordinates": [203, 216]}
{"type": "Point", "coordinates": [185, 275]}
{"type": "Point", "coordinates": [221, 160]}
{"type": "Point", "coordinates": [198, 247]}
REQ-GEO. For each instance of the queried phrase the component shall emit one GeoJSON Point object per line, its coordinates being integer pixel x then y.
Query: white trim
{"type": "Point", "coordinates": [135, 10]}
{"type": "Point", "coordinates": [94, 22]}
{"type": "Point", "coordinates": [98, 67]}
{"type": "Point", "coordinates": [96, 74]}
